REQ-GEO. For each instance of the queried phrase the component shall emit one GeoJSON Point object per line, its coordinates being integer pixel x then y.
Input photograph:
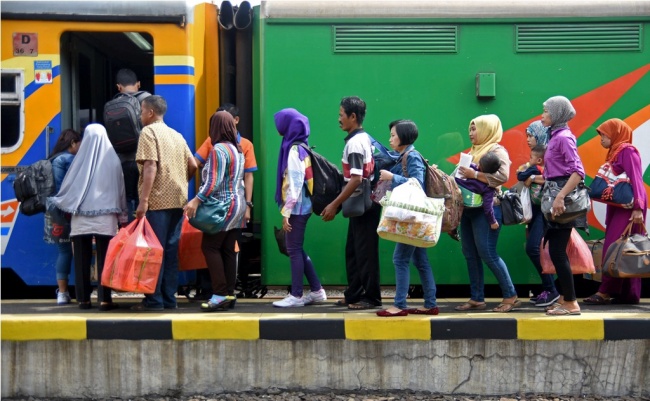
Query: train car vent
{"type": "Point", "coordinates": [606, 37]}
{"type": "Point", "coordinates": [394, 39]}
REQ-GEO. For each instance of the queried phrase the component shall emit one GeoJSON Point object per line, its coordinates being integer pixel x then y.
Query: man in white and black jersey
{"type": "Point", "coordinates": [361, 248]}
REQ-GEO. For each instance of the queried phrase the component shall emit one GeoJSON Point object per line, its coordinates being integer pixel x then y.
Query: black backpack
{"type": "Point", "coordinates": [33, 185]}
{"type": "Point", "coordinates": [328, 181]}
{"type": "Point", "coordinates": [122, 121]}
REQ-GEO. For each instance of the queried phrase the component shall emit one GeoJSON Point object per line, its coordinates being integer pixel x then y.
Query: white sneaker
{"type": "Point", "coordinates": [289, 302]}
{"type": "Point", "coordinates": [62, 298]}
{"type": "Point", "coordinates": [314, 296]}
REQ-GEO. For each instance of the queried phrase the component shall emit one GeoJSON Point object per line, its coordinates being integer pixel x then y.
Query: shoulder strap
{"type": "Point", "coordinates": [405, 172]}
{"type": "Point", "coordinates": [140, 95]}
{"type": "Point", "coordinates": [54, 156]}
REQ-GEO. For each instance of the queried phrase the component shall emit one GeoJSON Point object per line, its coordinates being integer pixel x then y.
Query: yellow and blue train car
{"type": "Point", "coordinates": [59, 61]}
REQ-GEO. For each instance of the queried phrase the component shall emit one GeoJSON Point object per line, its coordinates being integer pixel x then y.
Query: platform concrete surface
{"type": "Point", "coordinates": [62, 351]}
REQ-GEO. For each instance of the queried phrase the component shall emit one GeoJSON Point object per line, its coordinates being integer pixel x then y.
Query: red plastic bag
{"type": "Point", "coordinates": [190, 255]}
{"type": "Point", "coordinates": [133, 259]}
{"type": "Point", "coordinates": [579, 254]}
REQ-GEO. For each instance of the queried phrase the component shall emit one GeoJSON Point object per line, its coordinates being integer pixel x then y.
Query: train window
{"type": "Point", "coordinates": [12, 103]}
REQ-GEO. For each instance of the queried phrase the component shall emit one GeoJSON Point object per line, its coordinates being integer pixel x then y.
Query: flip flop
{"type": "Point", "coordinates": [597, 300]}
{"type": "Point", "coordinates": [341, 302]}
{"type": "Point", "coordinates": [362, 305]}
{"type": "Point", "coordinates": [554, 306]}
{"type": "Point", "coordinates": [505, 307]}
{"type": "Point", "coordinates": [562, 311]}
{"type": "Point", "coordinates": [470, 306]}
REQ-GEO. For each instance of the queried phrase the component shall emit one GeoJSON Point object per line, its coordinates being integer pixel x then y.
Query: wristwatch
{"type": "Point", "coordinates": [249, 204]}
{"type": "Point", "coordinates": [532, 179]}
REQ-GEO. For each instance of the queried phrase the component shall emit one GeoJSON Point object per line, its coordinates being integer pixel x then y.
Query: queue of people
{"type": "Point", "coordinates": [166, 164]}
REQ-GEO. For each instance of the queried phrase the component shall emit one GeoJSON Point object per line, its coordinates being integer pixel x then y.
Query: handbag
{"type": "Point", "coordinates": [511, 208]}
{"type": "Point", "coordinates": [357, 204]}
{"type": "Point", "coordinates": [576, 203]}
{"type": "Point", "coordinates": [57, 225]}
{"type": "Point", "coordinates": [211, 215]}
{"type": "Point", "coordinates": [578, 252]}
{"type": "Point", "coordinates": [281, 239]}
{"type": "Point", "coordinates": [596, 248]}
{"type": "Point", "coordinates": [628, 256]}
{"type": "Point", "coordinates": [380, 190]}
{"type": "Point", "coordinates": [612, 189]}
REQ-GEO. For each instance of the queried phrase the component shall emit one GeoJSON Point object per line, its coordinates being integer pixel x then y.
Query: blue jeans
{"type": "Point", "coordinates": [166, 224]}
{"type": "Point", "coordinates": [64, 260]}
{"type": "Point", "coordinates": [535, 233]}
{"type": "Point", "coordinates": [402, 255]}
{"type": "Point", "coordinates": [301, 264]}
{"type": "Point", "coordinates": [479, 243]}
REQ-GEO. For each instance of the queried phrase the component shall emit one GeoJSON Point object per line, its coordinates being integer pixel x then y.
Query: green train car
{"type": "Point", "coordinates": [442, 63]}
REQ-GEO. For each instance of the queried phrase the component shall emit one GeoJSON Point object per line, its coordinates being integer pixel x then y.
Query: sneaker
{"type": "Point", "coordinates": [289, 302]}
{"type": "Point", "coordinates": [314, 296]}
{"type": "Point", "coordinates": [547, 298]}
{"type": "Point", "coordinates": [62, 298]}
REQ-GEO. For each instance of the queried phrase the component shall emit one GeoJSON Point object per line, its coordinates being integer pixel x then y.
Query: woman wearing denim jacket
{"type": "Point", "coordinates": [479, 242]}
{"type": "Point", "coordinates": [403, 134]}
{"type": "Point", "coordinates": [563, 166]}
{"type": "Point", "coordinates": [294, 183]}
{"type": "Point", "coordinates": [67, 145]}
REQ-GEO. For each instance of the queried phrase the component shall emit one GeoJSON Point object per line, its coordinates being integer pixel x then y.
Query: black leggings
{"type": "Point", "coordinates": [82, 246]}
{"type": "Point", "coordinates": [219, 252]}
{"type": "Point", "coordinates": [558, 239]}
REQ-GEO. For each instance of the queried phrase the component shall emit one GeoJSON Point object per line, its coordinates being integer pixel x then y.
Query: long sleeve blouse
{"type": "Point", "coordinates": [294, 186]}
{"type": "Point", "coordinates": [414, 168]}
{"type": "Point", "coordinates": [561, 158]}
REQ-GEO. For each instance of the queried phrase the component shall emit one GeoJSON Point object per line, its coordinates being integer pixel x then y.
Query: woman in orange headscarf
{"type": "Point", "coordinates": [616, 136]}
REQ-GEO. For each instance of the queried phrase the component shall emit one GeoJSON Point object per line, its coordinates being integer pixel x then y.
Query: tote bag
{"type": "Point", "coordinates": [578, 252]}
{"type": "Point", "coordinates": [612, 189]}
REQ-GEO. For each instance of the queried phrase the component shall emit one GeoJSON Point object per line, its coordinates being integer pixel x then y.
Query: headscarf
{"type": "Point", "coordinates": [561, 111]}
{"type": "Point", "coordinates": [489, 133]}
{"type": "Point", "coordinates": [619, 133]}
{"type": "Point", "coordinates": [94, 183]}
{"type": "Point", "coordinates": [223, 129]}
{"type": "Point", "coordinates": [539, 131]}
{"type": "Point", "coordinates": [294, 127]}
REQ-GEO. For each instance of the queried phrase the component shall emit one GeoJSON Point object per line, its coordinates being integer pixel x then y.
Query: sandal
{"type": "Point", "coordinates": [430, 311]}
{"type": "Point", "coordinates": [597, 300]}
{"type": "Point", "coordinates": [341, 302]}
{"type": "Point", "coordinates": [555, 305]}
{"type": "Point", "coordinates": [471, 306]}
{"type": "Point", "coordinates": [505, 307]}
{"type": "Point", "coordinates": [562, 311]}
{"type": "Point", "coordinates": [362, 305]}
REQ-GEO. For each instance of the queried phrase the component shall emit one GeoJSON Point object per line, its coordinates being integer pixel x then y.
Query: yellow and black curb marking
{"type": "Point", "coordinates": [363, 328]}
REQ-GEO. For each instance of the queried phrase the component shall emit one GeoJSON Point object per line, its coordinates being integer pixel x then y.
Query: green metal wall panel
{"type": "Point", "coordinates": [298, 68]}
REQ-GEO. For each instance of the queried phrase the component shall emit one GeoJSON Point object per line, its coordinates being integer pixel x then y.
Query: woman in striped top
{"type": "Point", "coordinates": [222, 179]}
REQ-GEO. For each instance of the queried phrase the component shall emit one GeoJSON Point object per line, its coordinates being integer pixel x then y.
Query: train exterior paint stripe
{"type": "Point", "coordinates": [439, 92]}
{"type": "Point", "coordinates": [81, 52]}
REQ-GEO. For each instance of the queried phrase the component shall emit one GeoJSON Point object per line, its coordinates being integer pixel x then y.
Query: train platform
{"type": "Point", "coordinates": [65, 352]}
{"type": "Point", "coordinates": [258, 319]}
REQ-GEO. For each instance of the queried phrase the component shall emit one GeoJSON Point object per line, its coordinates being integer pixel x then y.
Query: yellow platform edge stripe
{"type": "Point", "coordinates": [561, 328]}
{"type": "Point", "coordinates": [44, 328]}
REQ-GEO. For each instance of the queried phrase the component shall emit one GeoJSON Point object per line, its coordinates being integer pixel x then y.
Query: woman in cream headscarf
{"type": "Point", "coordinates": [616, 136]}
{"type": "Point", "coordinates": [93, 192]}
{"type": "Point", "coordinates": [479, 242]}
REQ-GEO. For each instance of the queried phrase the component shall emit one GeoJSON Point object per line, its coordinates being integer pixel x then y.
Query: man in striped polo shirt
{"type": "Point", "coordinates": [361, 248]}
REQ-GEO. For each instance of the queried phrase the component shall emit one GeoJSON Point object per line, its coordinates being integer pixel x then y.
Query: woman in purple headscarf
{"type": "Point", "coordinates": [294, 183]}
